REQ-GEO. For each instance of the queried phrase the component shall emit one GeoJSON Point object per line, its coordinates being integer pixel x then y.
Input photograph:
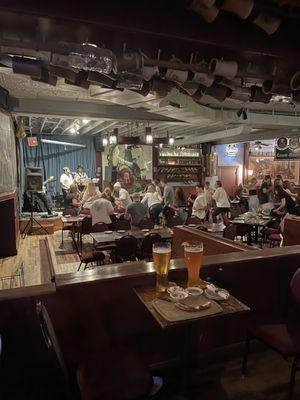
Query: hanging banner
{"type": "Point", "coordinates": [287, 148]}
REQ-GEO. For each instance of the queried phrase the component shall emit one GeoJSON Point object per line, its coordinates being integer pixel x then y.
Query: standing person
{"type": "Point", "coordinates": [286, 202]}
{"type": "Point", "coordinates": [123, 200]}
{"type": "Point", "coordinates": [208, 193]}
{"type": "Point", "coordinates": [180, 204]}
{"type": "Point", "coordinates": [222, 202]}
{"type": "Point", "coordinates": [200, 204]}
{"type": "Point", "coordinates": [72, 198]}
{"type": "Point", "coordinates": [266, 189]}
{"type": "Point", "coordinates": [136, 211]}
{"type": "Point", "coordinates": [153, 200]}
{"type": "Point", "coordinates": [66, 181]}
{"type": "Point", "coordinates": [168, 194]}
{"type": "Point", "coordinates": [253, 195]}
{"type": "Point", "coordinates": [80, 178]}
{"type": "Point", "coordinates": [288, 188]}
{"type": "Point", "coordinates": [155, 182]}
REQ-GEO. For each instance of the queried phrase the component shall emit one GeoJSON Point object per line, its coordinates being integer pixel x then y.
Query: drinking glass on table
{"type": "Point", "coordinates": [161, 258]}
{"type": "Point", "coordinates": [193, 253]}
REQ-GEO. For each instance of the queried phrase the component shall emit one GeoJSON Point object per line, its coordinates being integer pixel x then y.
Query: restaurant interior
{"type": "Point", "coordinates": [150, 200]}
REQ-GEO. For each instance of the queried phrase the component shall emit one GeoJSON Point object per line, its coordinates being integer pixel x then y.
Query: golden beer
{"type": "Point", "coordinates": [193, 259]}
{"type": "Point", "coordinates": [161, 259]}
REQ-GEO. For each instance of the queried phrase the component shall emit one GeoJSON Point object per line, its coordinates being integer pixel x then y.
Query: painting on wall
{"type": "Point", "coordinates": [262, 166]}
{"type": "Point", "coordinates": [133, 164]}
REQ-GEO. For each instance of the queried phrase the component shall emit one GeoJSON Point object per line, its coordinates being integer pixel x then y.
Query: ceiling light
{"type": "Point", "coordinates": [161, 145]}
{"type": "Point", "coordinates": [73, 130]}
{"type": "Point", "coordinates": [113, 139]}
{"type": "Point", "coordinates": [85, 121]}
{"type": "Point", "coordinates": [171, 141]}
{"type": "Point", "coordinates": [104, 142]}
{"type": "Point", "coordinates": [149, 136]}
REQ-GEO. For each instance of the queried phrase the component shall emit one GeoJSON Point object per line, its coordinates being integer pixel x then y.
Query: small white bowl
{"type": "Point", "coordinates": [194, 291]}
{"type": "Point", "coordinates": [145, 230]}
{"type": "Point", "coordinates": [177, 296]}
{"type": "Point", "coordinates": [121, 231]}
{"type": "Point", "coordinates": [174, 289]}
{"type": "Point", "coordinates": [108, 232]}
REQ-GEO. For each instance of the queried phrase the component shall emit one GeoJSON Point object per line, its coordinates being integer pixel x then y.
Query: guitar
{"type": "Point", "coordinates": [50, 179]}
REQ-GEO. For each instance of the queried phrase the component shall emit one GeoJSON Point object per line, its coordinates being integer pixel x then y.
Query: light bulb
{"type": "Point", "coordinates": [104, 142]}
{"type": "Point", "coordinates": [171, 141]}
{"type": "Point", "coordinates": [113, 139]}
{"type": "Point", "coordinates": [73, 130]}
{"type": "Point", "coordinates": [149, 139]}
{"type": "Point", "coordinates": [85, 121]}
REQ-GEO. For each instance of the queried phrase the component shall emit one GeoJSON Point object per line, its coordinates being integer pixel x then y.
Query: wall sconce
{"type": "Point", "coordinates": [149, 136]}
{"type": "Point", "coordinates": [104, 142]}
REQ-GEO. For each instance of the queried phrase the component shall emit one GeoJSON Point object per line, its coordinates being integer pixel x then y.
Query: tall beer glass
{"type": "Point", "coordinates": [193, 260]}
{"type": "Point", "coordinates": [161, 259]}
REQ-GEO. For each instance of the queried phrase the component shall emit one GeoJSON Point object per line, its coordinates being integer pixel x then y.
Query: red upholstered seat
{"type": "Point", "coordinates": [275, 237]}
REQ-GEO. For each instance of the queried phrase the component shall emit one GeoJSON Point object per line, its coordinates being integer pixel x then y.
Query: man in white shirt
{"type": "Point", "coordinates": [101, 210]}
{"type": "Point", "coordinates": [123, 200]}
{"type": "Point", "coordinates": [200, 203]}
{"type": "Point", "coordinates": [222, 202]}
{"type": "Point", "coordinates": [66, 181]}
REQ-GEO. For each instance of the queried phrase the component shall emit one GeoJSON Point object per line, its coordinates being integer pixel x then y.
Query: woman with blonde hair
{"type": "Point", "coordinates": [153, 200]}
{"type": "Point", "coordinates": [90, 194]}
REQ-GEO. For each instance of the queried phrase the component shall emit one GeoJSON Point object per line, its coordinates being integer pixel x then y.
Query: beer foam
{"type": "Point", "coordinates": [162, 250]}
{"type": "Point", "coordinates": [193, 249]}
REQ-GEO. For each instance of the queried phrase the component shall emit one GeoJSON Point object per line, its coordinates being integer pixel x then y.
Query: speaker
{"type": "Point", "coordinates": [206, 149]}
{"type": "Point", "coordinates": [33, 179]}
{"type": "Point", "coordinates": [110, 173]}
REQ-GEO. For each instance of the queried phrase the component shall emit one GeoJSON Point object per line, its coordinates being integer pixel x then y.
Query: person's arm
{"type": "Point", "coordinates": [199, 205]}
{"type": "Point", "coordinates": [75, 202]}
{"type": "Point", "coordinates": [281, 205]}
{"type": "Point", "coordinates": [145, 199]}
{"type": "Point", "coordinates": [215, 195]}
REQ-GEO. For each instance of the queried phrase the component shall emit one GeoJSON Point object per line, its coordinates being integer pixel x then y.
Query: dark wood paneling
{"type": "Point", "coordinates": [9, 227]}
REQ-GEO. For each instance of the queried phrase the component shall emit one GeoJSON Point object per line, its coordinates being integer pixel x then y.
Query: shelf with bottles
{"type": "Point", "coordinates": [186, 153]}
{"type": "Point", "coordinates": [179, 163]}
{"type": "Point", "coordinates": [172, 169]}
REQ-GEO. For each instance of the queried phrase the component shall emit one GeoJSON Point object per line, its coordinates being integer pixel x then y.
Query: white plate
{"type": "Point", "coordinates": [108, 232]}
{"type": "Point", "coordinates": [194, 291]}
{"type": "Point", "coordinates": [145, 230]}
{"type": "Point", "coordinates": [191, 224]}
{"type": "Point", "coordinates": [121, 231]}
{"type": "Point", "coordinates": [215, 296]}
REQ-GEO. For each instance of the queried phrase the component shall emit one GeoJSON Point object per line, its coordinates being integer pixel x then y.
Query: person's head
{"type": "Point", "coordinates": [207, 185]}
{"type": "Point", "coordinates": [155, 182]}
{"type": "Point", "coordinates": [278, 176]}
{"type": "Point", "coordinates": [241, 186]}
{"type": "Point", "coordinates": [278, 182]}
{"type": "Point", "coordinates": [253, 181]}
{"type": "Point", "coordinates": [136, 197]}
{"type": "Point", "coordinates": [107, 191]}
{"type": "Point", "coordinates": [117, 187]}
{"type": "Point", "coordinates": [151, 188]}
{"type": "Point", "coordinates": [73, 188]}
{"type": "Point", "coordinates": [91, 188]}
{"type": "Point", "coordinates": [218, 184]}
{"type": "Point", "coordinates": [279, 191]}
{"type": "Point", "coordinates": [268, 178]}
{"type": "Point", "coordinates": [179, 194]}
{"type": "Point", "coordinates": [66, 170]}
{"type": "Point", "coordinates": [199, 188]}
{"type": "Point", "coordinates": [80, 169]}
{"type": "Point", "coordinates": [163, 182]}
{"type": "Point", "coordinates": [287, 185]}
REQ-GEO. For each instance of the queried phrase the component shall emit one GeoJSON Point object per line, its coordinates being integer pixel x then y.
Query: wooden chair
{"type": "Point", "coordinates": [281, 334]}
{"type": "Point", "coordinates": [230, 232]}
{"type": "Point", "coordinates": [145, 252]}
{"type": "Point", "coordinates": [125, 249]}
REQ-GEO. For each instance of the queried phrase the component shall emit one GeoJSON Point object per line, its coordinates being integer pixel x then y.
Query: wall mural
{"type": "Point", "coordinates": [133, 164]}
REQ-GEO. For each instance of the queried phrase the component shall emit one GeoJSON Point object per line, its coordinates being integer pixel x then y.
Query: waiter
{"type": "Point", "coordinates": [66, 181]}
{"type": "Point", "coordinates": [80, 178]}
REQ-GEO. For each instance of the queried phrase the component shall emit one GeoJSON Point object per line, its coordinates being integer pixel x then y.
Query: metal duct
{"type": "Point", "coordinates": [27, 66]}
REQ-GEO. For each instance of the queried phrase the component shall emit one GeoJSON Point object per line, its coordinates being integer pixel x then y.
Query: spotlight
{"type": "Point", "coordinates": [171, 141]}
{"type": "Point", "coordinates": [85, 121]}
{"type": "Point", "coordinates": [149, 136]}
{"type": "Point", "coordinates": [104, 142]}
{"type": "Point", "coordinates": [73, 130]}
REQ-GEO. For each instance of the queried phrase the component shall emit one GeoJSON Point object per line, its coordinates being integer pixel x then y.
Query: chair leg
{"type": "Point", "coordinates": [293, 378]}
{"type": "Point", "coordinates": [85, 266]}
{"type": "Point", "coordinates": [79, 266]}
{"type": "Point", "coordinates": [246, 353]}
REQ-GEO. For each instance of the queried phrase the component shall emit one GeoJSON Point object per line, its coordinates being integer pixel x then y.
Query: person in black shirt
{"type": "Point", "coordinates": [265, 190]}
{"type": "Point", "coordinates": [286, 202]}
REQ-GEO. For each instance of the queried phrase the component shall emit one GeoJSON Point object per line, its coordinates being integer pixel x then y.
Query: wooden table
{"type": "Point", "coordinates": [101, 237]}
{"type": "Point", "coordinates": [261, 223]}
{"type": "Point", "coordinates": [232, 306]}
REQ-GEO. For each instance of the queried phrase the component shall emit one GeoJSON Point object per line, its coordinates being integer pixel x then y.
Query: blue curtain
{"type": "Point", "coordinates": [53, 157]}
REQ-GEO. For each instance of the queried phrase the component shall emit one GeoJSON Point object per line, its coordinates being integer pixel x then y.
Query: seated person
{"type": "Point", "coordinates": [200, 204]}
{"type": "Point", "coordinates": [107, 194]}
{"type": "Point", "coordinates": [136, 211]}
{"type": "Point", "coordinates": [90, 194]}
{"type": "Point", "coordinates": [286, 202]}
{"type": "Point", "coordinates": [153, 200]}
{"type": "Point", "coordinates": [122, 197]}
{"type": "Point", "coordinates": [180, 204]}
{"type": "Point", "coordinates": [287, 186]}
{"type": "Point", "coordinates": [72, 198]}
{"type": "Point", "coordinates": [101, 211]}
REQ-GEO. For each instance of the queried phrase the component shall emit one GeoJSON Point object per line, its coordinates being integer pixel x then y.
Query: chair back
{"type": "Point", "coordinates": [173, 221]}
{"type": "Point", "coordinates": [193, 220]}
{"type": "Point", "coordinates": [230, 232]}
{"type": "Point", "coordinates": [51, 340]}
{"type": "Point", "coordinates": [148, 241]}
{"type": "Point", "coordinates": [86, 225]}
{"type": "Point", "coordinates": [146, 223]}
{"type": "Point", "coordinates": [99, 227]}
{"type": "Point", "coordinates": [243, 209]}
{"type": "Point", "coordinates": [126, 247]}
{"type": "Point", "coordinates": [295, 289]}
{"type": "Point", "coordinates": [235, 212]}
{"type": "Point", "coordinates": [123, 224]}
{"type": "Point", "coordinates": [69, 211]}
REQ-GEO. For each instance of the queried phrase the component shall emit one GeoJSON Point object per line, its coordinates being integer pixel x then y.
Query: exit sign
{"type": "Point", "coordinates": [32, 141]}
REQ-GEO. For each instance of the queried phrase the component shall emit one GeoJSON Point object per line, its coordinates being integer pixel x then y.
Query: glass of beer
{"type": "Point", "coordinates": [193, 253]}
{"type": "Point", "coordinates": [161, 258]}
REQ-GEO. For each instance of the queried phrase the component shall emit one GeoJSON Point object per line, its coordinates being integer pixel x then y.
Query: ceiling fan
{"type": "Point", "coordinates": [259, 145]}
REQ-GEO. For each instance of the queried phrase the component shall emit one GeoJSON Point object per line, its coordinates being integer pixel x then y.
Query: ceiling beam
{"type": "Point", "coordinates": [43, 124]}
{"type": "Point", "coordinates": [56, 126]}
{"type": "Point", "coordinates": [83, 109]}
{"type": "Point", "coordinates": [250, 137]}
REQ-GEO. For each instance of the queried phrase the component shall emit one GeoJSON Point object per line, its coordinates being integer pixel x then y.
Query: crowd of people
{"type": "Point", "coordinates": [161, 201]}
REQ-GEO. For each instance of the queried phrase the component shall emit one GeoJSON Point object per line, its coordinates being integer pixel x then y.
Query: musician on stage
{"type": "Point", "coordinates": [66, 181]}
{"type": "Point", "coordinates": [42, 195]}
{"type": "Point", "coordinates": [80, 178]}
